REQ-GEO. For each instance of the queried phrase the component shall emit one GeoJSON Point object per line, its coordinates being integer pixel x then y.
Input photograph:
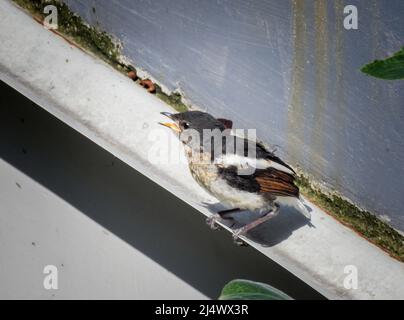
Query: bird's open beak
{"type": "Point", "coordinates": [172, 125]}
{"type": "Point", "coordinates": [167, 114]}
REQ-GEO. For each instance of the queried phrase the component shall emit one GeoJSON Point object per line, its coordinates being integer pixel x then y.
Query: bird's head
{"type": "Point", "coordinates": [190, 123]}
{"type": "Point", "coordinates": [192, 120]}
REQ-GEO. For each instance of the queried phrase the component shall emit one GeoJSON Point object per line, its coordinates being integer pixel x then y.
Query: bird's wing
{"type": "Point", "coordinates": [276, 182]}
{"type": "Point", "coordinates": [238, 151]}
{"type": "Point", "coordinates": [270, 181]}
{"type": "Point", "coordinates": [266, 154]}
{"type": "Point", "coordinates": [228, 124]}
{"type": "Point", "coordinates": [241, 161]}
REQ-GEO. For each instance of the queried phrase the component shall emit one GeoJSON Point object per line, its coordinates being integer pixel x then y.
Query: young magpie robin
{"type": "Point", "coordinates": [263, 189]}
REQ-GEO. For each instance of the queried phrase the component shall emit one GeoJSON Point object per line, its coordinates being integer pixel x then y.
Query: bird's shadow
{"type": "Point", "coordinates": [271, 232]}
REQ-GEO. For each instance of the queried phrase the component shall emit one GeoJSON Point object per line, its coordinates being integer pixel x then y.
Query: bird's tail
{"type": "Point", "coordinates": [297, 203]}
{"type": "Point", "coordinates": [301, 204]}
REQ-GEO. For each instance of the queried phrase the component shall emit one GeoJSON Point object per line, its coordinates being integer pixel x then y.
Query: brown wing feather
{"type": "Point", "coordinates": [276, 182]}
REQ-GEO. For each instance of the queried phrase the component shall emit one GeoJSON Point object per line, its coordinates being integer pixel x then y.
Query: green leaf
{"type": "Point", "coordinates": [391, 68]}
{"type": "Point", "coordinates": [250, 290]}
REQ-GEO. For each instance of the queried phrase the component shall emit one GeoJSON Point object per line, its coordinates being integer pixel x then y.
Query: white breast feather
{"type": "Point", "coordinates": [236, 198]}
{"type": "Point", "coordinates": [241, 162]}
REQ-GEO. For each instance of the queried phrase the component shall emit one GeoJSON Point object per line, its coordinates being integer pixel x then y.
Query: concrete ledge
{"type": "Point", "coordinates": [118, 115]}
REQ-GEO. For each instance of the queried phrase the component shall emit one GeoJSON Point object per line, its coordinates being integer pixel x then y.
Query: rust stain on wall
{"type": "Point", "coordinates": [295, 130]}
{"type": "Point", "coordinates": [339, 91]}
{"type": "Point", "coordinates": [320, 83]}
{"type": "Point", "coordinates": [377, 51]}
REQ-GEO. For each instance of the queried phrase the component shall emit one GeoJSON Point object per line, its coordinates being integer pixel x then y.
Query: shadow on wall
{"type": "Point", "coordinates": [270, 233]}
{"type": "Point", "coordinates": [279, 228]}
{"type": "Point", "coordinates": [128, 204]}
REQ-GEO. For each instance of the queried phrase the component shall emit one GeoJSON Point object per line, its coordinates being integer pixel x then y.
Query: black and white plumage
{"type": "Point", "coordinates": [267, 183]}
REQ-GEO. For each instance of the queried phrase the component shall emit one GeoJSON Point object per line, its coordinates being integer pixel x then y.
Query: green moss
{"type": "Point", "coordinates": [361, 221]}
{"type": "Point", "coordinates": [71, 25]}
{"type": "Point", "coordinates": [93, 40]}
{"type": "Point", "coordinates": [391, 68]}
{"type": "Point", "coordinates": [174, 99]}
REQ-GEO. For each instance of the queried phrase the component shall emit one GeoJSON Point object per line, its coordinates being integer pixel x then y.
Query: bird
{"type": "Point", "coordinates": [259, 183]}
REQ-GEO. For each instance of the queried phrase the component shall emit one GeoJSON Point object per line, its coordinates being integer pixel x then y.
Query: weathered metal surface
{"type": "Point", "coordinates": [123, 117]}
{"type": "Point", "coordinates": [287, 68]}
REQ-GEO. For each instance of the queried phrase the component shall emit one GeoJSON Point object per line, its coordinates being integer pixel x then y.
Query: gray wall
{"type": "Point", "coordinates": [288, 69]}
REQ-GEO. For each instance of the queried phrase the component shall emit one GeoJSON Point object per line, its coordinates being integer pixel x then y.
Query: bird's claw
{"type": "Point", "coordinates": [212, 222]}
{"type": "Point", "coordinates": [236, 237]}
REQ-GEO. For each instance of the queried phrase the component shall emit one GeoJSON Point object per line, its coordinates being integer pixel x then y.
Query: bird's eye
{"type": "Point", "coordinates": [185, 125]}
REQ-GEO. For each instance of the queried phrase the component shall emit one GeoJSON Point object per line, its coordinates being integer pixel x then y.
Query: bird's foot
{"type": "Point", "coordinates": [212, 221]}
{"type": "Point", "coordinates": [236, 236]}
